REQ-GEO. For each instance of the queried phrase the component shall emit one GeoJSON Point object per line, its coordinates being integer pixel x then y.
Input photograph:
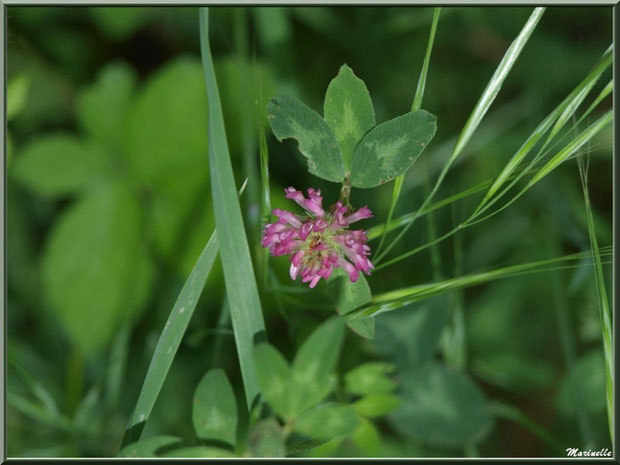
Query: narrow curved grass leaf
{"type": "Point", "coordinates": [496, 82]}
{"type": "Point", "coordinates": [480, 109]}
{"type": "Point", "coordinates": [245, 307]}
{"type": "Point", "coordinates": [170, 339]}
{"type": "Point", "coordinates": [570, 149]}
{"type": "Point", "coordinates": [604, 310]}
{"type": "Point", "coordinates": [559, 115]}
{"type": "Point", "coordinates": [416, 105]}
{"type": "Point", "coordinates": [390, 149]}
{"type": "Point", "coordinates": [348, 112]}
{"type": "Point", "coordinates": [290, 118]}
{"type": "Point", "coordinates": [401, 297]}
{"type": "Point", "coordinates": [214, 411]}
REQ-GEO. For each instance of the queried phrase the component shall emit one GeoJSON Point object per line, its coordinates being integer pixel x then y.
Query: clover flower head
{"type": "Point", "coordinates": [319, 241]}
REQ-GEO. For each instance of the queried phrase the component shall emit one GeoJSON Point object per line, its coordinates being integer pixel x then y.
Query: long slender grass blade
{"type": "Point", "coordinates": [245, 307]}
{"type": "Point", "coordinates": [399, 298]}
{"type": "Point", "coordinates": [416, 105]}
{"type": "Point", "coordinates": [170, 340]}
{"type": "Point", "coordinates": [480, 109]}
{"type": "Point", "coordinates": [605, 312]}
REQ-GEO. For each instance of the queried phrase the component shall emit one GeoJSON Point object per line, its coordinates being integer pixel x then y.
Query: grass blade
{"type": "Point", "coordinates": [170, 340]}
{"type": "Point", "coordinates": [245, 307]}
{"type": "Point", "coordinates": [605, 312]}
{"type": "Point", "coordinates": [560, 116]}
{"type": "Point", "coordinates": [393, 300]}
{"type": "Point", "coordinates": [482, 106]}
{"type": "Point", "coordinates": [416, 105]}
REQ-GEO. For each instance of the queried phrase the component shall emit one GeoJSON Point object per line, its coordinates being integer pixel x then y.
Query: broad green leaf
{"type": "Point", "coordinates": [316, 360]}
{"type": "Point", "coordinates": [441, 407]}
{"type": "Point", "coordinates": [370, 378]}
{"type": "Point", "coordinates": [198, 452]}
{"type": "Point", "coordinates": [327, 421]}
{"type": "Point", "coordinates": [585, 383]}
{"type": "Point", "coordinates": [59, 164]}
{"type": "Point", "coordinates": [376, 405]}
{"type": "Point", "coordinates": [214, 412]}
{"type": "Point", "coordinates": [289, 118]}
{"type": "Point", "coordinates": [17, 95]}
{"type": "Point", "coordinates": [102, 108]}
{"type": "Point", "coordinates": [391, 148]}
{"type": "Point", "coordinates": [410, 336]}
{"type": "Point", "coordinates": [275, 379]}
{"type": "Point", "coordinates": [267, 439]}
{"type": "Point", "coordinates": [147, 447]}
{"type": "Point", "coordinates": [348, 112]}
{"type": "Point", "coordinates": [90, 270]}
{"type": "Point", "coordinates": [167, 134]}
{"type": "Point", "coordinates": [241, 289]}
{"type": "Point", "coordinates": [348, 296]}
{"type": "Point", "coordinates": [367, 438]}
{"type": "Point", "coordinates": [170, 339]}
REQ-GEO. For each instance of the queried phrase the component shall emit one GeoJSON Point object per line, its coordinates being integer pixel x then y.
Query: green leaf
{"type": "Point", "coordinates": [366, 437]}
{"type": "Point", "coordinates": [214, 412]}
{"type": "Point", "coordinates": [290, 392]}
{"type": "Point", "coordinates": [166, 127]}
{"type": "Point", "coordinates": [17, 95]}
{"type": "Point", "coordinates": [102, 108]}
{"type": "Point", "coordinates": [347, 296]}
{"type": "Point", "coordinates": [267, 439]}
{"type": "Point", "coordinates": [90, 272]}
{"type": "Point", "coordinates": [147, 447]}
{"type": "Point", "coordinates": [391, 148]}
{"type": "Point", "coordinates": [441, 407]}
{"type": "Point", "coordinates": [245, 306]}
{"type": "Point", "coordinates": [289, 118]}
{"type": "Point", "coordinates": [327, 421]}
{"type": "Point", "coordinates": [274, 377]}
{"type": "Point", "coordinates": [198, 452]}
{"type": "Point", "coordinates": [411, 336]}
{"type": "Point", "coordinates": [170, 339]}
{"type": "Point", "coordinates": [376, 405]}
{"type": "Point", "coordinates": [370, 378]}
{"type": "Point", "coordinates": [59, 164]}
{"type": "Point", "coordinates": [348, 112]}
{"type": "Point", "coordinates": [585, 383]}
{"type": "Point", "coordinates": [316, 360]}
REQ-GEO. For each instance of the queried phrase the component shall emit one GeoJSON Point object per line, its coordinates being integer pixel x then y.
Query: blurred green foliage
{"type": "Point", "coordinates": [109, 206]}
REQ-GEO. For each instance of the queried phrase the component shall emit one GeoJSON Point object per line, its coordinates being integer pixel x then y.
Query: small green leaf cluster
{"type": "Point", "coordinates": [346, 145]}
{"type": "Point", "coordinates": [307, 405]}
